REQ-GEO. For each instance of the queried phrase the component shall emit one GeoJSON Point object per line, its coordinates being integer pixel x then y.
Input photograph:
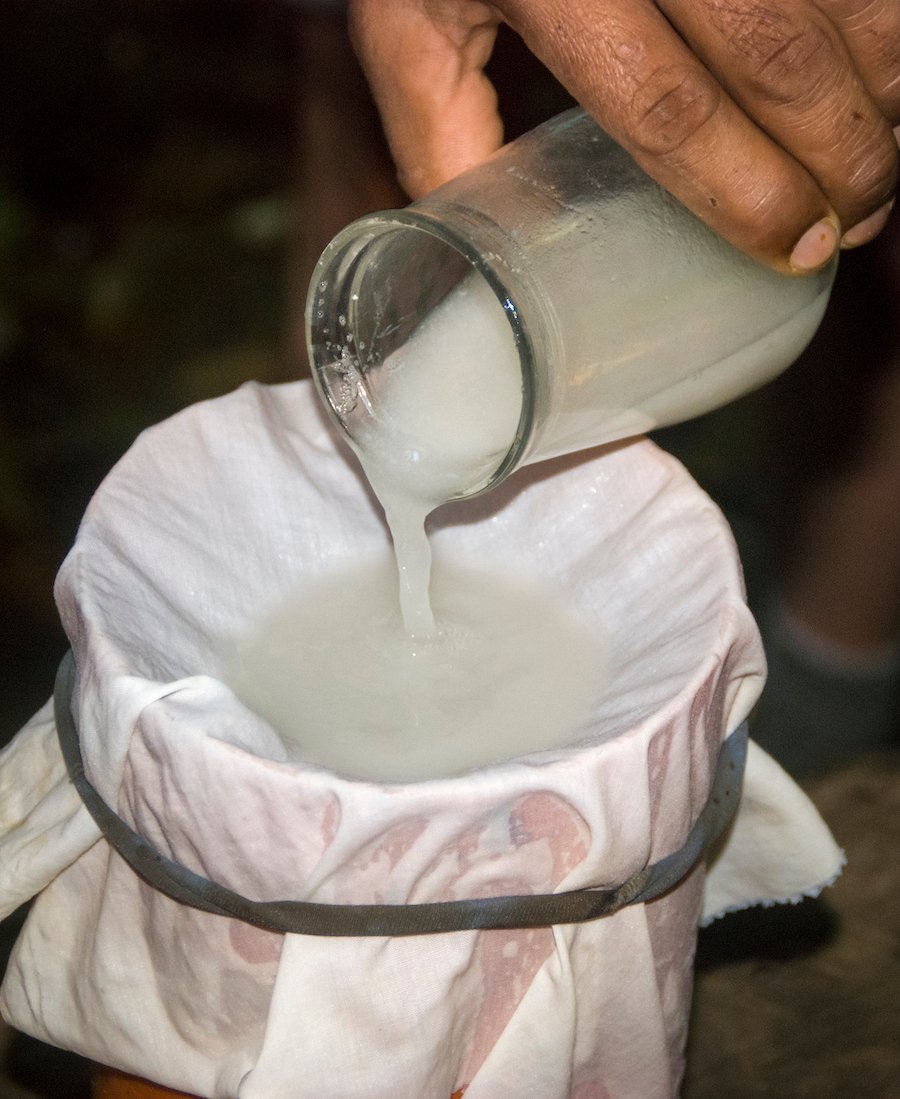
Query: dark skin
{"type": "Point", "coordinates": [771, 119]}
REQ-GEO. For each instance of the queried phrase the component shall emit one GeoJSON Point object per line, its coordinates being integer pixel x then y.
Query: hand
{"type": "Point", "coordinates": [770, 119]}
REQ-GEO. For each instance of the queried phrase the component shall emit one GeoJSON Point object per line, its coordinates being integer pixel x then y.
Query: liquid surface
{"type": "Point", "coordinates": [464, 669]}
{"type": "Point", "coordinates": [508, 671]}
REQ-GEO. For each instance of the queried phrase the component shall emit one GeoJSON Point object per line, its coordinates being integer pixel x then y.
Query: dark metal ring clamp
{"type": "Point", "coordinates": [311, 918]}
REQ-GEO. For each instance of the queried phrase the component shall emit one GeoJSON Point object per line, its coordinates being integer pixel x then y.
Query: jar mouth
{"type": "Point", "coordinates": [372, 287]}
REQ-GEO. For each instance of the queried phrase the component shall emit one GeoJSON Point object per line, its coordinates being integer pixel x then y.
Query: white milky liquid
{"type": "Point", "coordinates": [446, 408]}
{"type": "Point", "coordinates": [509, 671]}
{"type": "Point", "coordinates": [464, 669]}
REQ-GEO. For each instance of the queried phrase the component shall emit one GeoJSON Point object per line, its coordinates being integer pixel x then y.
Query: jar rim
{"type": "Point", "coordinates": [347, 249]}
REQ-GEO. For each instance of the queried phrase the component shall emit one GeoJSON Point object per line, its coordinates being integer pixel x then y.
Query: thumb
{"type": "Point", "coordinates": [424, 60]}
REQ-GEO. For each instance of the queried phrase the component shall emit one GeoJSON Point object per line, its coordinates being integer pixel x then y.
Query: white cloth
{"type": "Point", "coordinates": [208, 521]}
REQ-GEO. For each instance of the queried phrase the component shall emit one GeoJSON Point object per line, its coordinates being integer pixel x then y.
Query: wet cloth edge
{"type": "Point", "coordinates": [311, 918]}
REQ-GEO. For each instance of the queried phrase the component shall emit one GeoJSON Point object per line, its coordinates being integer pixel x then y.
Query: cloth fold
{"type": "Point", "coordinates": [435, 917]}
{"type": "Point", "coordinates": [212, 519]}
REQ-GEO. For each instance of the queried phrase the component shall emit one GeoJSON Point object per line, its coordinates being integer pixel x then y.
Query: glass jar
{"type": "Point", "coordinates": [622, 311]}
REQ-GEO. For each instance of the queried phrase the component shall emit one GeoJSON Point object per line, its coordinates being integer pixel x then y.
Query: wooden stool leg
{"type": "Point", "coordinates": [108, 1084]}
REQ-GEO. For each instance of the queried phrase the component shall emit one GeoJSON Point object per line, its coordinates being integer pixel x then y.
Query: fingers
{"type": "Point", "coordinates": [424, 61]}
{"type": "Point", "coordinates": [770, 119]}
{"type": "Point", "coordinates": [791, 70]}
{"type": "Point", "coordinates": [871, 32]}
{"type": "Point", "coordinates": [648, 88]}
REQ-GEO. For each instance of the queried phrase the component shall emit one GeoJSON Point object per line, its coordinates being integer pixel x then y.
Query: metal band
{"type": "Point", "coordinates": [311, 918]}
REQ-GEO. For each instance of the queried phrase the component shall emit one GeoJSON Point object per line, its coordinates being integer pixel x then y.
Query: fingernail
{"type": "Point", "coordinates": [897, 134]}
{"type": "Point", "coordinates": [816, 247]}
{"type": "Point", "coordinates": [869, 227]}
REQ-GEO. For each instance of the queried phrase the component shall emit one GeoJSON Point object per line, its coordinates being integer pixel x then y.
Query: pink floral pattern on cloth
{"type": "Point", "coordinates": [213, 1007]}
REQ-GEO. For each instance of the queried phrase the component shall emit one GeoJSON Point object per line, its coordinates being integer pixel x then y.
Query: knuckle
{"type": "Point", "coordinates": [773, 208]}
{"type": "Point", "coordinates": [871, 29]}
{"type": "Point", "coordinates": [886, 74]}
{"type": "Point", "coordinates": [788, 60]}
{"type": "Point", "coordinates": [771, 226]}
{"type": "Point", "coordinates": [873, 177]}
{"type": "Point", "coordinates": [874, 17]}
{"type": "Point", "coordinates": [670, 106]}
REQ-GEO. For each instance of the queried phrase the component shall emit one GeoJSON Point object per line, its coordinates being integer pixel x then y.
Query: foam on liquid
{"type": "Point", "coordinates": [463, 671]}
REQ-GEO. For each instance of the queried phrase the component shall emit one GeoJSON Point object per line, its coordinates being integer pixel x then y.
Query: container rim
{"type": "Point", "coordinates": [347, 251]}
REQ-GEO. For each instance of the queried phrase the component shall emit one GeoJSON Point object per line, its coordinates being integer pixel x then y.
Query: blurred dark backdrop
{"type": "Point", "coordinates": [145, 215]}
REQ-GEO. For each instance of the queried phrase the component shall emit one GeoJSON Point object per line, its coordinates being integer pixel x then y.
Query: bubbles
{"type": "Point", "coordinates": [345, 384]}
